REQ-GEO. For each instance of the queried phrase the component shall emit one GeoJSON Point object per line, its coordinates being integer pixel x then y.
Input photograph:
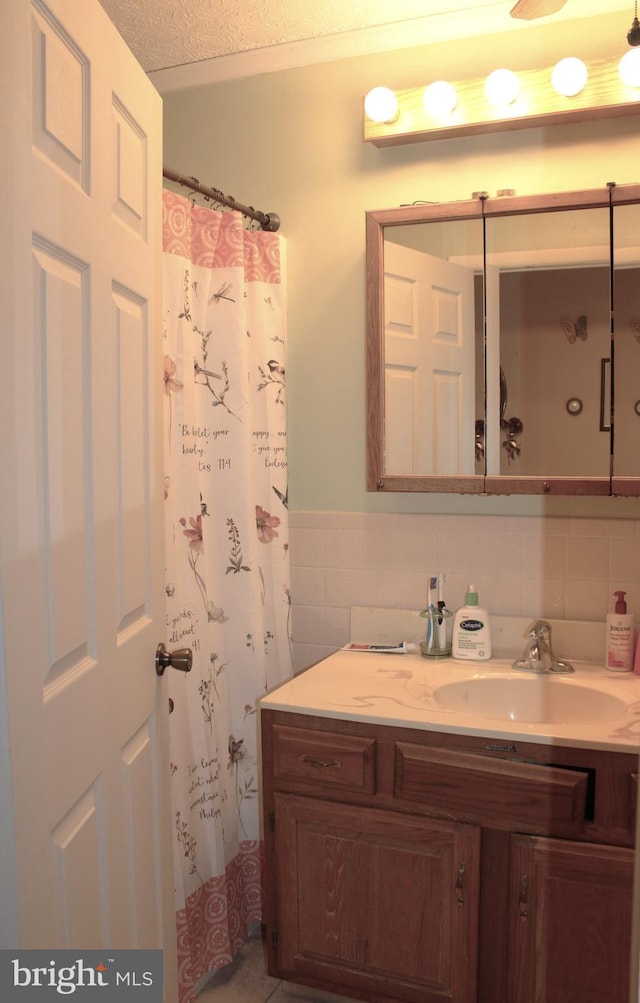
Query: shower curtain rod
{"type": "Point", "coordinates": [268, 221]}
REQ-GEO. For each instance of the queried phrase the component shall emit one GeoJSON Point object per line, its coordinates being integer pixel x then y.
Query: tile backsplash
{"type": "Point", "coordinates": [558, 568]}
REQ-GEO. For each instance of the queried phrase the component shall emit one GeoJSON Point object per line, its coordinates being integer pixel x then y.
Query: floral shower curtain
{"type": "Point", "coordinates": [227, 575]}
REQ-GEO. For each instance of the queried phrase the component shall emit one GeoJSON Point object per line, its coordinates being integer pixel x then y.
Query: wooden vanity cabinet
{"type": "Point", "coordinates": [415, 866]}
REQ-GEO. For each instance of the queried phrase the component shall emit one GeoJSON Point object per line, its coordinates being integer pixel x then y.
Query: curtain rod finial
{"type": "Point", "coordinates": [272, 222]}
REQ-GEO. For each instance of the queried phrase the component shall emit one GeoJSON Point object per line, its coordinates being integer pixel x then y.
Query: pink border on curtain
{"type": "Point", "coordinates": [217, 916]}
{"type": "Point", "coordinates": [218, 240]}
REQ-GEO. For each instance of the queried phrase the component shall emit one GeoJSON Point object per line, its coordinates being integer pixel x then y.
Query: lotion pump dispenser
{"type": "Point", "coordinates": [471, 630]}
{"type": "Point", "coordinates": [620, 636]}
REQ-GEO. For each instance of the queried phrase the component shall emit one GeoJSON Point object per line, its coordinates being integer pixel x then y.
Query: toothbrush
{"type": "Point", "coordinates": [431, 591]}
{"type": "Point", "coordinates": [442, 629]}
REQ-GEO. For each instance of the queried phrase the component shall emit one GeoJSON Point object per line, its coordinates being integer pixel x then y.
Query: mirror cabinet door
{"type": "Point", "coordinates": [548, 327]}
{"type": "Point", "coordinates": [626, 348]}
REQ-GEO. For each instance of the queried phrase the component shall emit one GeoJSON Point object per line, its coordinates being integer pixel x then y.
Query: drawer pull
{"type": "Point", "coordinates": [320, 764]}
{"type": "Point", "coordinates": [523, 902]}
{"type": "Point", "coordinates": [460, 886]}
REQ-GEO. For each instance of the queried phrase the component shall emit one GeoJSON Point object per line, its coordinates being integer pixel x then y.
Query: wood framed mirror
{"type": "Point", "coordinates": [483, 318]}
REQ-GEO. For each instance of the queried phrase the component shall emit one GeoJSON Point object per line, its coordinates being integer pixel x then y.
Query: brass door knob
{"type": "Point", "coordinates": [180, 659]}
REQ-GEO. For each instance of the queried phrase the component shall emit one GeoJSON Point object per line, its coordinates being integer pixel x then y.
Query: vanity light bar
{"type": "Point", "coordinates": [604, 95]}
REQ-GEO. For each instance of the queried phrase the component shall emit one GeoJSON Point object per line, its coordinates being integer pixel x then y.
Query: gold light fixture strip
{"type": "Point", "coordinates": [604, 96]}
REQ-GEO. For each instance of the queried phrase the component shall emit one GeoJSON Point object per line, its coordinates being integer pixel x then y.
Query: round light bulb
{"type": "Point", "coordinates": [629, 68]}
{"type": "Point", "coordinates": [569, 76]}
{"type": "Point", "coordinates": [381, 105]}
{"type": "Point", "coordinates": [502, 88]}
{"type": "Point", "coordinates": [440, 98]}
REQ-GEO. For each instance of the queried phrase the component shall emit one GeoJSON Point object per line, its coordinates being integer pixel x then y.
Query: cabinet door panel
{"type": "Point", "coordinates": [368, 898]}
{"type": "Point", "coordinates": [570, 921]}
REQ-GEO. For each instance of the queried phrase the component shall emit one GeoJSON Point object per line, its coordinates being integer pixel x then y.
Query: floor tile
{"type": "Point", "coordinates": [243, 981]}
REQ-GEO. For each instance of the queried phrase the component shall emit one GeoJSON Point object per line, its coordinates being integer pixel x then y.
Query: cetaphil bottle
{"type": "Point", "coordinates": [471, 630]}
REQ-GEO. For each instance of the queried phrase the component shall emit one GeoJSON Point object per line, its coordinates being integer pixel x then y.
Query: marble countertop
{"type": "Point", "coordinates": [406, 690]}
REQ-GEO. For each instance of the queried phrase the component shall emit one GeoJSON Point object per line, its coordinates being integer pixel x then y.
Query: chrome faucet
{"type": "Point", "coordinates": [538, 656]}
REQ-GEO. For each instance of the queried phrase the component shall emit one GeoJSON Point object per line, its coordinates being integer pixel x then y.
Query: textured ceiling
{"type": "Point", "coordinates": [167, 33]}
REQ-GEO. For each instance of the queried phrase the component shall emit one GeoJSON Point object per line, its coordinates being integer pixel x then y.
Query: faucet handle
{"type": "Point", "coordinates": [541, 629]}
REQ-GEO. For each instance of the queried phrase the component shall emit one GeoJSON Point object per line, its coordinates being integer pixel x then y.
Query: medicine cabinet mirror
{"type": "Point", "coordinates": [486, 321]}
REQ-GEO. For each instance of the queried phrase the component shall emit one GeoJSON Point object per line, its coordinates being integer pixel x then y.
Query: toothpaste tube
{"type": "Point", "coordinates": [402, 648]}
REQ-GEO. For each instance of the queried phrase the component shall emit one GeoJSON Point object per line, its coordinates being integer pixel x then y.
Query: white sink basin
{"type": "Point", "coordinates": [541, 699]}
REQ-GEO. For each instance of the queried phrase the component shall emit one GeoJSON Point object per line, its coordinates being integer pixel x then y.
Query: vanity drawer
{"type": "Point", "coordinates": [324, 758]}
{"type": "Point", "coordinates": [504, 792]}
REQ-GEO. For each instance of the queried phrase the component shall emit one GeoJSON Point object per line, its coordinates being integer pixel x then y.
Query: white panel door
{"type": "Point", "coordinates": [429, 364]}
{"type": "Point", "coordinates": [81, 509]}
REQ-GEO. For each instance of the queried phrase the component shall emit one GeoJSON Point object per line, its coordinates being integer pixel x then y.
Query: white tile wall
{"type": "Point", "coordinates": [560, 568]}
